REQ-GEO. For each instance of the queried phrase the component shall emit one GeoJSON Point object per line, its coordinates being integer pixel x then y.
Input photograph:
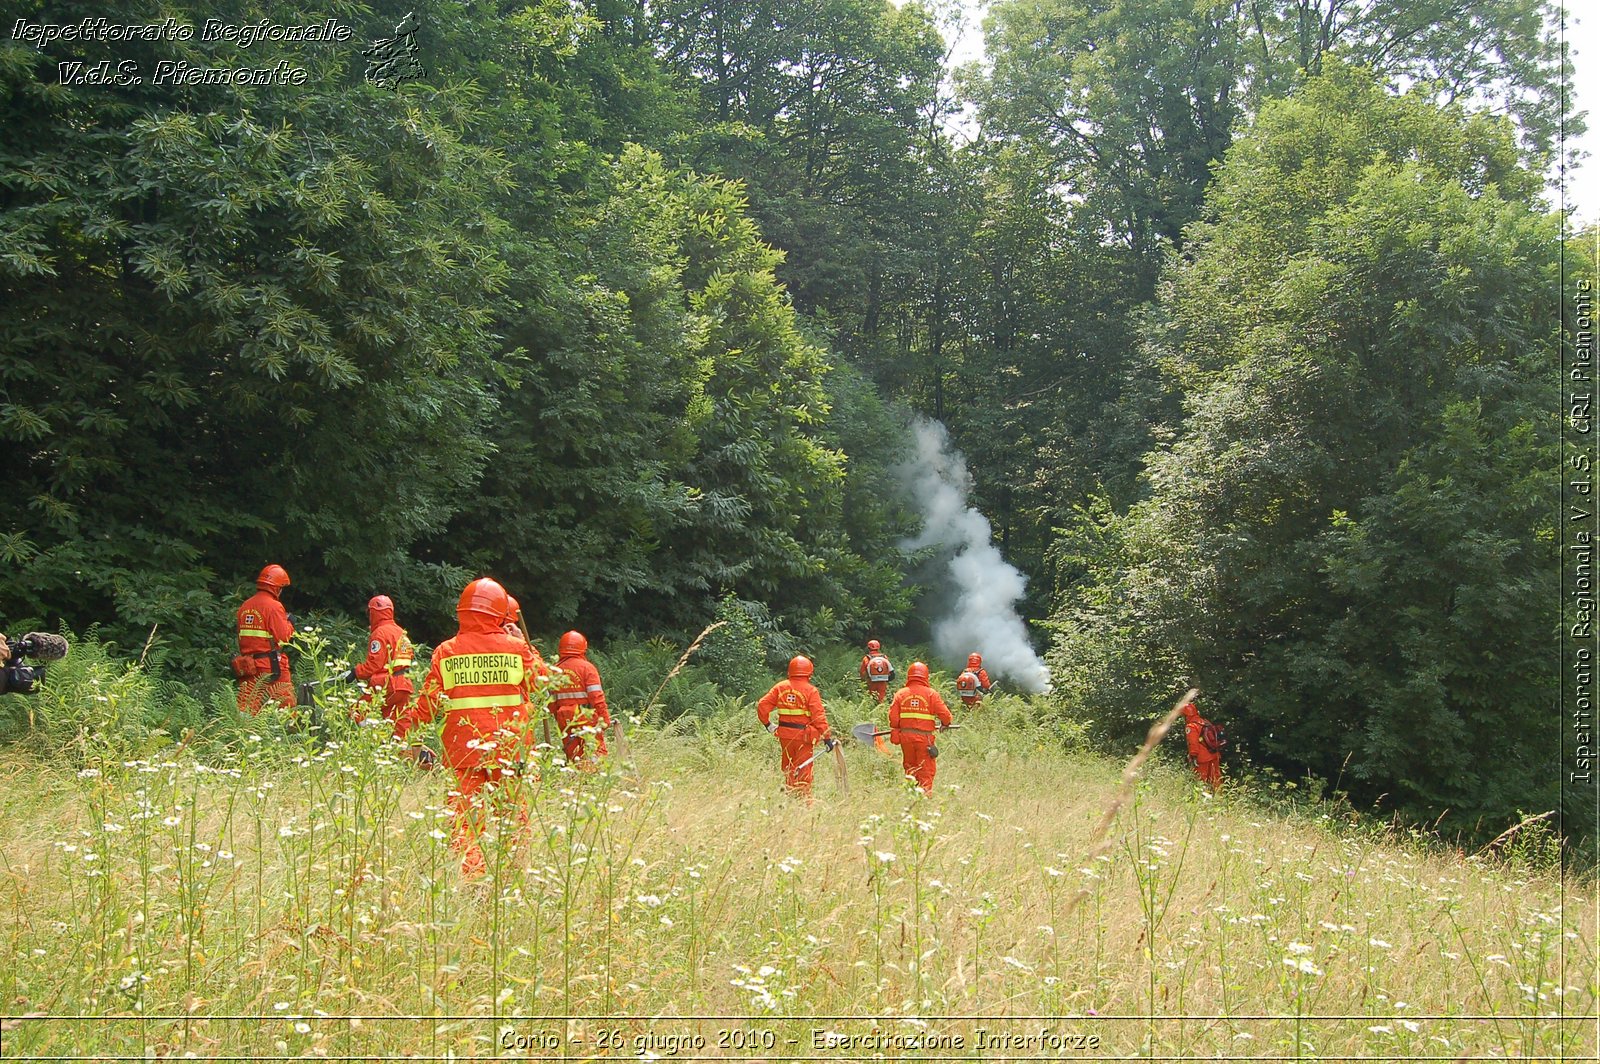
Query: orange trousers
{"type": "Point", "coordinates": [576, 732]}
{"type": "Point", "coordinates": [879, 689]}
{"type": "Point", "coordinates": [1210, 772]}
{"type": "Point", "coordinates": [917, 764]}
{"type": "Point", "coordinates": [490, 753]}
{"type": "Point", "coordinates": [258, 690]}
{"type": "Point", "coordinates": [396, 697]}
{"type": "Point", "coordinates": [796, 751]}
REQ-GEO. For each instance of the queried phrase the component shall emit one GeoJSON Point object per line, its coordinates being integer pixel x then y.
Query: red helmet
{"type": "Point", "coordinates": [513, 609]}
{"type": "Point", "coordinates": [873, 646]}
{"type": "Point", "coordinates": [484, 596]}
{"type": "Point", "coordinates": [800, 668]}
{"type": "Point", "coordinates": [917, 672]}
{"type": "Point", "coordinates": [572, 645]}
{"type": "Point", "coordinates": [272, 578]}
{"type": "Point", "coordinates": [974, 661]}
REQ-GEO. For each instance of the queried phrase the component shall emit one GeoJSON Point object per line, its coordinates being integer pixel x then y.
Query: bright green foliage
{"type": "Point", "coordinates": [1350, 544]}
{"type": "Point", "coordinates": [820, 106]}
{"type": "Point", "coordinates": [1040, 402]}
{"type": "Point", "coordinates": [251, 328]}
{"type": "Point", "coordinates": [1104, 121]}
{"type": "Point", "coordinates": [1501, 56]}
{"type": "Point", "coordinates": [666, 436]}
{"type": "Point", "coordinates": [384, 337]}
{"type": "Point", "coordinates": [748, 652]}
{"type": "Point", "coordinates": [1133, 100]}
{"type": "Point", "coordinates": [869, 593]}
{"type": "Point", "coordinates": [1137, 100]}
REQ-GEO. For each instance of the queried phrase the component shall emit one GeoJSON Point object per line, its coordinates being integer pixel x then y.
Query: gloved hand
{"type": "Point", "coordinates": [772, 726]}
{"type": "Point", "coordinates": [829, 743]}
{"type": "Point", "coordinates": [933, 752]}
{"type": "Point", "coordinates": [348, 676]}
{"type": "Point", "coordinates": [423, 756]}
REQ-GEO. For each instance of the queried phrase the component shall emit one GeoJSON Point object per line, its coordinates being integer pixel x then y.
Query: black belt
{"type": "Point", "coordinates": [277, 664]}
{"type": "Point", "coordinates": [784, 724]}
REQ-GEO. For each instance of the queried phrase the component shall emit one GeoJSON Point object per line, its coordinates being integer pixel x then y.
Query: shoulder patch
{"type": "Point", "coordinates": [375, 646]}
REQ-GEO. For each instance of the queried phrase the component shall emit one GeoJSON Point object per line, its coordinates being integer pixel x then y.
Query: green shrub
{"type": "Point", "coordinates": [93, 706]}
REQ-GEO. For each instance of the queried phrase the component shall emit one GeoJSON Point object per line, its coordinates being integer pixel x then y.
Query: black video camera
{"type": "Point", "coordinates": [19, 678]}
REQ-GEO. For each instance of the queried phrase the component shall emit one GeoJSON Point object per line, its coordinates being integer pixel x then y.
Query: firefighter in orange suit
{"type": "Point", "coordinates": [1207, 762]}
{"type": "Point", "coordinates": [388, 659]}
{"type": "Point", "coordinates": [482, 680]}
{"type": "Point", "coordinates": [579, 705]}
{"type": "Point", "coordinates": [876, 670]}
{"type": "Point", "coordinates": [915, 714]}
{"type": "Point", "coordinates": [513, 625]}
{"type": "Point", "coordinates": [793, 711]}
{"type": "Point", "coordinates": [262, 667]}
{"type": "Point", "coordinates": [973, 683]}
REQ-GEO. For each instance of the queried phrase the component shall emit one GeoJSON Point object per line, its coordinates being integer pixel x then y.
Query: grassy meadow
{"type": "Point", "coordinates": [285, 898]}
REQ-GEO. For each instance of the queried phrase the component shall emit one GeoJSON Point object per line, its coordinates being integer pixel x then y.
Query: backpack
{"type": "Point", "coordinates": [1213, 737]}
{"type": "Point", "coordinates": [967, 683]}
{"type": "Point", "coordinates": [878, 668]}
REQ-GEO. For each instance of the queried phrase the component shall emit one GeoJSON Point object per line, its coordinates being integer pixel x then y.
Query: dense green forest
{"type": "Point", "coordinates": [1243, 315]}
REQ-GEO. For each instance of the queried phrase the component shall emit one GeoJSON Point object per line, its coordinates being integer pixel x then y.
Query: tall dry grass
{"type": "Point", "coordinates": [303, 901]}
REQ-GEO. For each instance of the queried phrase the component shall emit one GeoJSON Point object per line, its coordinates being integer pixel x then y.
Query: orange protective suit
{"type": "Point", "coordinates": [388, 658]}
{"type": "Point", "coordinates": [482, 679]}
{"type": "Point", "coordinates": [1207, 763]}
{"type": "Point", "coordinates": [793, 711]}
{"type": "Point", "coordinates": [877, 671]}
{"type": "Point", "coordinates": [263, 626]}
{"type": "Point", "coordinates": [973, 683]}
{"type": "Point", "coordinates": [915, 713]}
{"type": "Point", "coordinates": [579, 705]}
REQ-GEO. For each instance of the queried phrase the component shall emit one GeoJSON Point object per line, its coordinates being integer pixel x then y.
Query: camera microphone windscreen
{"type": "Point", "coordinates": [44, 646]}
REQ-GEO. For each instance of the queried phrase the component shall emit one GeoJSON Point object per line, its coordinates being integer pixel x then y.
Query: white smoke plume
{"type": "Point", "coordinates": [983, 615]}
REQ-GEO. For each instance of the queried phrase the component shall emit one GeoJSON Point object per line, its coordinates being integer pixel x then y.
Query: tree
{"type": "Point", "coordinates": [1137, 101]}
{"type": "Point", "coordinates": [188, 386]}
{"type": "Point", "coordinates": [1349, 543]}
{"type": "Point", "coordinates": [1499, 56]}
{"type": "Point", "coordinates": [666, 433]}
{"type": "Point", "coordinates": [818, 107]}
